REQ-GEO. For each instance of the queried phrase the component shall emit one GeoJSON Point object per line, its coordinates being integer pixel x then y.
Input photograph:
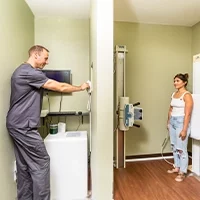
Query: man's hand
{"type": "Point", "coordinates": [85, 86]}
{"type": "Point", "coordinates": [183, 134]}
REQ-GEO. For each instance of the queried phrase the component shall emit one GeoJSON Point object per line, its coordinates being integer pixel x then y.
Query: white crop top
{"type": "Point", "coordinates": [178, 105]}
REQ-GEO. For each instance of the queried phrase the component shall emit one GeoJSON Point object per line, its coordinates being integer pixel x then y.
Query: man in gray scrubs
{"type": "Point", "coordinates": [33, 162]}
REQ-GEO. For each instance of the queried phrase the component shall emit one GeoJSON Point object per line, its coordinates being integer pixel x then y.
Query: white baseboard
{"type": "Point", "coordinates": [148, 159]}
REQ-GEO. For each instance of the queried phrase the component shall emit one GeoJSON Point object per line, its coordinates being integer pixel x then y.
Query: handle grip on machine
{"type": "Point", "coordinates": [136, 125]}
{"type": "Point", "coordinates": [136, 104]}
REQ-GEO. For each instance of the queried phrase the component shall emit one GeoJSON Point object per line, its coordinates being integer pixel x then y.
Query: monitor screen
{"type": "Point", "coordinates": [59, 75]}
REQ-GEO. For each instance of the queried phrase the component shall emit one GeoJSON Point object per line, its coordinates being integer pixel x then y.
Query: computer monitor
{"type": "Point", "coordinates": [59, 75]}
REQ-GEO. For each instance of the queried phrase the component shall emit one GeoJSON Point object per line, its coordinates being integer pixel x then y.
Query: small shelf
{"type": "Point", "coordinates": [44, 113]}
{"type": "Point", "coordinates": [68, 113]}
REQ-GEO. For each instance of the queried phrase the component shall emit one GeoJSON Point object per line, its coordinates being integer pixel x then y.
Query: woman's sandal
{"type": "Point", "coordinates": [180, 177]}
{"type": "Point", "coordinates": [174, 170]}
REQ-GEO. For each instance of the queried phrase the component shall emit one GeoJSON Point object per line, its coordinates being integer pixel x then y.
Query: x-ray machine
{"type": "Point", "coordinates": [125, 113]}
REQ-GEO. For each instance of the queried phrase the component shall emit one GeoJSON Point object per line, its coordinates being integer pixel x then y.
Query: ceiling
{"type": "Point", "coordinates": [169, 12]}
{"type": "Point", "coordinates": [79, 9]}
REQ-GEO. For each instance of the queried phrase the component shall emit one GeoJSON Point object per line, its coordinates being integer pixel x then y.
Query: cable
{"type": "Point", "coordinates": [116, 127]}
{"type": "Point", "coordinates": [61, 98]}
{"type": "Point", "coordinates": [48, 101]}
{"type": "Point", "coordinates": [117, 120]}
{"type": "Point", "coordinates": [89, 91]}
{"type": "Point", "coordinates": [79, 123]}
{"type": "Point", "coordinates": [60, 107]}
{"type": "Point", "coordinates": [89, 102]}
{"type": "Point", "coordinates": [49, 105]}
{"type": "Point", "coordinates": [162, 148]}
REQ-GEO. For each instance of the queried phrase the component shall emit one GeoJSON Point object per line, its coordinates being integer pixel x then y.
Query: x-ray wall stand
{"type": "Point", "coordinates": [195, 120]}
{"type": "Point", "coordinates": [125, 113]}
{"type": "Point", "coordinates": [119, 78]}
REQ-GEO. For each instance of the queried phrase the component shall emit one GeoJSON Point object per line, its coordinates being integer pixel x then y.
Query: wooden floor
{"type": "Point", "coordinates": [149, 181]}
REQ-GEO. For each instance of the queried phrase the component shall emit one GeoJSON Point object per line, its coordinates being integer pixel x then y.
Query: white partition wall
{"type": "Point", "coordinates": [101, 49]}
{"type": "Point", "coordinates": [195, 121]}
{"type": "Point", "coordinates": [195, 125]}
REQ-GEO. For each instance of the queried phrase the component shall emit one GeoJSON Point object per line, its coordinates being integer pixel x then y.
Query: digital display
{"type": "Point", "coordinates": [59, 75]}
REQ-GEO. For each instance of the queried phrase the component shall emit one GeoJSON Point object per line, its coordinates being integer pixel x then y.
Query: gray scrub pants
{"type": "Point", "coordinates": [33, 164]}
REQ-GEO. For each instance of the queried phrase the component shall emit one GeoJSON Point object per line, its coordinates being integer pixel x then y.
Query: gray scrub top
{"type": "Point", "coordinates": [26, 97]}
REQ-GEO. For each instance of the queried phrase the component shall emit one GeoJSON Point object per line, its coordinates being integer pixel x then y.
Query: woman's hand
{"type": "Point", "coordinates": [168, 125]}
{"type": "Point", "coordinates": [183, 134]}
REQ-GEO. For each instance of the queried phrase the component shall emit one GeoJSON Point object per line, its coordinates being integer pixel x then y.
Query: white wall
{"type": "Point", "coordinates": [101, 32]}
{"type": "Point", "coordinates": [16, 37]}
{"type": "Point", "coordinates": [68, 42]}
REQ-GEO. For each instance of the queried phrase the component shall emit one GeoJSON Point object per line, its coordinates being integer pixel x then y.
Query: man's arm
{"type": "Point", "coordinates": [63, 87]}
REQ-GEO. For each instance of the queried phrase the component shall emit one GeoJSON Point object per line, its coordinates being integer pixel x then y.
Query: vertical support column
{"type": "Point", "coordinates": [195, 133]}
{"type": "Point", "coordinates": [120, 160]}
{"type": "Point", "coordinates": [119, 135]}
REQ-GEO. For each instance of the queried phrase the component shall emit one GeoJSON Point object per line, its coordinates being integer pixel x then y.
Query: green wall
{"type": "Point", "coordinates": [68, 43]}
{"type": "Point", "coordinates": [156, 53]}
{"type": "Point", "coordinates": [16, 37]}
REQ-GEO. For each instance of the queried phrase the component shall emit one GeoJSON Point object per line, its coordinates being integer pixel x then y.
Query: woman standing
{"type": "Point", "coordinates": [179, 125]}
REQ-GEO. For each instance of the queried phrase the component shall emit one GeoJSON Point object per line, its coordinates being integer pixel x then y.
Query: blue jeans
{"type": "Point", "coordinates": [179, 146]}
